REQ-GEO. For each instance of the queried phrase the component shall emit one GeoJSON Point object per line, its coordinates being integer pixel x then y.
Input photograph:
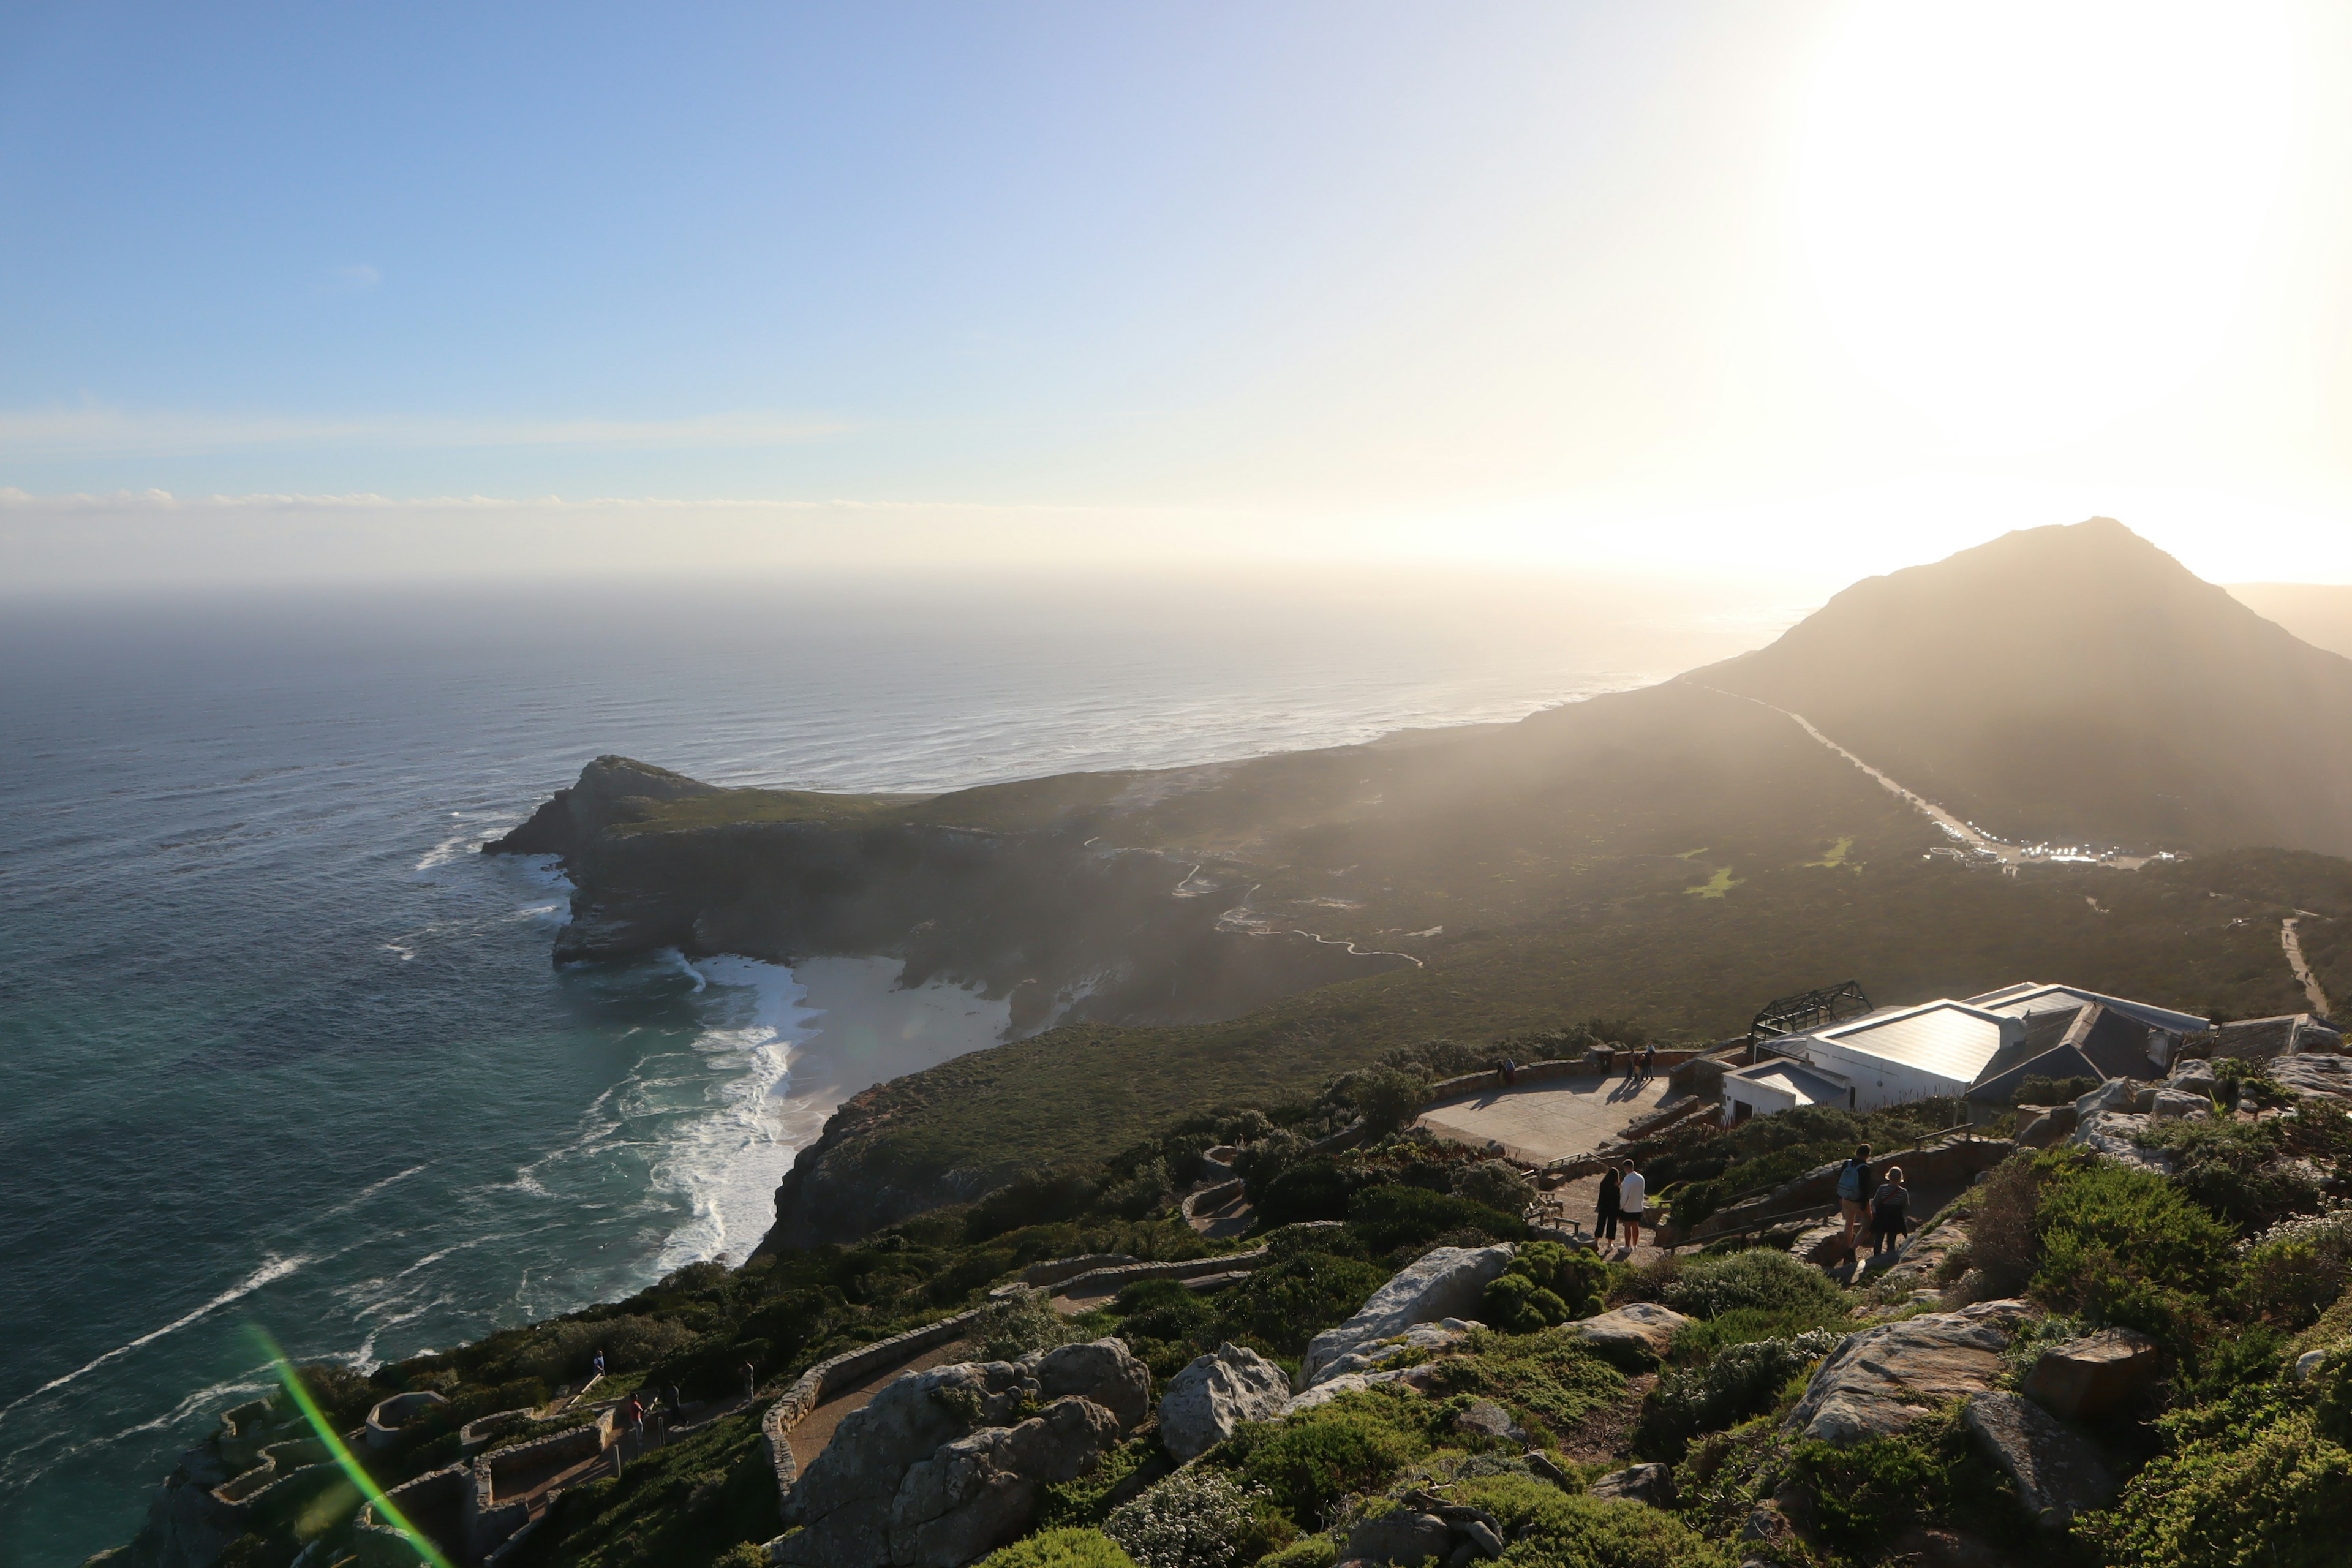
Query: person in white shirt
{"type": "Point", "coordinates": [1632, 1194]}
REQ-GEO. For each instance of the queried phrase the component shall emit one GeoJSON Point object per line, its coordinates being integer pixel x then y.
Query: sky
{"type": "Point", "coordinates": [311, 292]}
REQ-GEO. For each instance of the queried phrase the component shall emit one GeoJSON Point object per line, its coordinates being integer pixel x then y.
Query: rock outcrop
{"type": "Point", "coordinates": [610, 789]}
{"type": "Point", "coordinates": [1446, 1282]}
{"type": "Point", "coordinates": [2084, 1379]}
{"type": "Point", "coordinates": [1216, 1392]}
{"type": "Point", "coordinates": [943, 1466]}
{"type": "Point", "coordinates": [1880, 1380]}
{"type": "Point", "coordinates": [1427, 1529]}
{"type": "Point", "coordinates": [1423, 1339]}
{"type": "Point", "coordinates": [1652, 1484]}
{"type": "Point", "coordinates": [2328, 1075]}
{"type": "Point", "coordinates": [2058, 1474]}
{"type": "Point", "coordinates": [1636, 1332]}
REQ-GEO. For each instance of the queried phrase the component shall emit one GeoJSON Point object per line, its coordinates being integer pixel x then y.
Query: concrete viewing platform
{"type": "Point", "coordinates": [1554, 1119]}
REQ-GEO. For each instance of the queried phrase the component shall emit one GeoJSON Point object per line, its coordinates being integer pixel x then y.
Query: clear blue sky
{"type": "Point", "coordinates": [978, 278]}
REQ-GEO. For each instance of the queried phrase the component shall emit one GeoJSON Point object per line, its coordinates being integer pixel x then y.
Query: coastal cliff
{"type": "Point", "coordinates": [1226, 934]}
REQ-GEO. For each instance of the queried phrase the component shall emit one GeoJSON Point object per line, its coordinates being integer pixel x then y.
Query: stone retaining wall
{"type": "Point", "coordinates": [1959, 1159]}
{"type": "Point", "coordinates": [1597, 1064]}
{"type": "Point", "coordinates": [830, 1376]}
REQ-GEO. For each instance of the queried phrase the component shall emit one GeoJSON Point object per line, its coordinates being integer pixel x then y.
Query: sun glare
{"type": "Point", "coordinates": [2028, 219]}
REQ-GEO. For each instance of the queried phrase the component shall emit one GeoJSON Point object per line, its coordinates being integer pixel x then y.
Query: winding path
{"type": "Point", "coordinates": [2291, 940]}
{"type": "Point", "coordinates": [2009, 856]}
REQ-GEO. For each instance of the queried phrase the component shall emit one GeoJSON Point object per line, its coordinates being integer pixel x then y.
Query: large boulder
{"type": "Point", "coordinates": [2114, 1134]}
{"type": "Point", "coordinates": [1216, 1392]}
{"type": "Point", "coordinates": [2048, 1129]}
{"type": "Point", "coordinates": [2058, 1474]}
{"type": "Point", "coordinates": [1331, 1388]}
{"type": "Point", "coordinates": [1403, 1536]}
{"type": "Point", "coordinates": [1446, 1282]}
{"type": "Point", "coordinates": [1880, 1380]}
{"type": "Point", "coordinates": [2171, 1101]}
{"type": "Point", "coordinates": [2328, 1075]}
{"type": "Point", "coordinates": [1420, 1340]}
{"type": "Point", "coordinates": [942, 1466]}
{"type": "Point", "coordinates": [978, 1492]}
{"type": "Point", "coordinates": [2083, 1379]}
{"type": "Point", "coordinates": [1638, 1331]}
{"type": "Point", "coordinates": [1652, 1484]}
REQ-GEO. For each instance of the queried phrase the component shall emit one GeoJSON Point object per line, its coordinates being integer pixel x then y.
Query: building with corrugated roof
{"type": "Point", "coordinates": [1980, 1048]}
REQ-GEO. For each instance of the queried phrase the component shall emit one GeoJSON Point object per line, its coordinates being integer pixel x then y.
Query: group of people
{"type": "Point", "coordinates": [1625, 1196]}
{"type": "Point", "coordinates": [1885, 1207]}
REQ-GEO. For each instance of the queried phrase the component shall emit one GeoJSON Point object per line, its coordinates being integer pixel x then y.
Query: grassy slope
{"type": "Point", "coordinates": [1554, 854]}
{"type": "Point", "coordinates": [1559, 856]}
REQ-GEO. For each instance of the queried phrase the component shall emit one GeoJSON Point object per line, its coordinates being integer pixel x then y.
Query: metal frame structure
{"type": "Point", "coordinates": [1808, 1010]}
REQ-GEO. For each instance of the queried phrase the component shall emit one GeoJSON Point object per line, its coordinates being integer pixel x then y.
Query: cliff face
{"type": "Point", "coordinates": [611, 789]}
{"type": "Point", "coordinates": [1070, 930]}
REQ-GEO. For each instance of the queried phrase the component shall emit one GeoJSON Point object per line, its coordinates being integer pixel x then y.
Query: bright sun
{"type": "Point", "coordinates": [2030, 219]}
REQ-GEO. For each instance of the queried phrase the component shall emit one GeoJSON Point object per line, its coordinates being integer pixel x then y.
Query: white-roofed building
{"type": "Point", "coordinates": [1982, 1048]}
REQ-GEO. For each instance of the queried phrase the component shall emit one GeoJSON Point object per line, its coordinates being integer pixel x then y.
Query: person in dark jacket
{"type": "Point", "coordinates": [1604, 1219]}
{"type": "Point", "coordinates": [1890, 1212]}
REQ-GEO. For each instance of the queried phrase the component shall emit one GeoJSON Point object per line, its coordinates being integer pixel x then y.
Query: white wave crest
{"type": "Point", "coordinates": [272, 1268]}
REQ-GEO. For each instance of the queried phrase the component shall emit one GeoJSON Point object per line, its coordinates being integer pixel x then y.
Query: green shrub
{"type": "Point", "coordinates": [1700, 1341]}
{"type": "Point", "coordinates": [1066, 1548]}
{"type": "Point", "coordinates": [561, 1352]}
{"type": "Point", "coordinates": [1495, 1185]}
{"type": "Point", "coordinates": [1742, 1382]}
{"type": "Point", "coordinates": [2233, 1169]}
{"type": "Point", "coordinates": [342, 1395]}
{"type": "Point", "coordinates": [1756, 1280]}
{"type": "Point", "coordinates": [2252, 1483]}
{"type": "Point", "coordinates": [1306, 1551]}
{"type": "Point", "coordinates": [1118, 1476]}
{"type": "Point", "coordinates": [1353, 1444]}
{"type": "Point", "coordinates": [2126, 1246]}
{"type": "Point", "coordinates": [2295, 1268]}
{"type": "Point", "coordinates": [1866, 1492]}
{"type": "Point", "coordinates": [2036, 1089]}
{"type": "Point", "coordinates": [1010, 1329]}
{"type": "Point", "coordinates": [1517, 1304]}
{"type": "Point", "coordinates": [1197, 1518]}
{"type": "Point", "coordinates": [1285, 1304]}
{"type": "Point", "coordinates": [754, 1554]}
{"type": "Point", "coordinates": [1392, 1215]}
{"type": "Point", "coordinates": [1311, 1189]}
{"type": "Point", "coordinates": [1388, 1098]}
{"type": "Point", "coordinates": [1550, 1528]}
{"type": "Point", "coordinates": [1548, 1380]}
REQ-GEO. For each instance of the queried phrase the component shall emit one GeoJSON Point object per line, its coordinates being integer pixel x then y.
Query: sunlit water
{"type": "Point", "coordinates": [278, 1046]}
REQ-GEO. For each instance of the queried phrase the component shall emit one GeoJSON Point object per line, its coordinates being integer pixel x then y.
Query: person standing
{"type": "Point", "coordinates": [1604, 1217]}
{"type": "Point", "coordinates": [1854, 1188]}
{"type": "Point", "coordinates": [1890, 1210]}
{"type": "Point", "coordinates": [1648, 1059]}
{"type": "Point", "coordinates": [1632, 1197]}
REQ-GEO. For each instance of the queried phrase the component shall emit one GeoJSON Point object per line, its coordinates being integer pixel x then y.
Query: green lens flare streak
{"type": "Point", "coordinates": [385, 1509]}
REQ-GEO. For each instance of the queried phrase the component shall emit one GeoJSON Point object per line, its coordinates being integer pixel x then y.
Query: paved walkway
{"type": "Point", "coordinates": [808, 1439]}
{"type": "Point", "coordinates": [1557, 1119]}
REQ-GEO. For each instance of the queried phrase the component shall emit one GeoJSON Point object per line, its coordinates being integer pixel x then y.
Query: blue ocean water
{"type": "Point", "coordinates": [277, 1048]}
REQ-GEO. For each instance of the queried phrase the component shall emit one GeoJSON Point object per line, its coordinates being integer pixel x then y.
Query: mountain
{"type": "Point", "coordinates": [2076, 683]}
{"type": "Point", "coordinates": [1674, 857]}
{"type": "Point", "coordinates": [2318, 613]}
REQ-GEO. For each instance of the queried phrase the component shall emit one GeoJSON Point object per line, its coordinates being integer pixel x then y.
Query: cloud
{"type": "Point", "coordinates": [92, 429]}
{"type": "Point", "coordinates": [356, 278]}
{"type": "Point", "coordinates": [73, 543]}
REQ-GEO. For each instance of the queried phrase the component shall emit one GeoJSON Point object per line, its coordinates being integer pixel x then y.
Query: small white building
{"type": "Point", "coordinates": [1946, 1048]}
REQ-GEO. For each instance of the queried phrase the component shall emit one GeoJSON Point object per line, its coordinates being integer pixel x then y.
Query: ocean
{"type": "Point", "coordinates": [280, 1048]}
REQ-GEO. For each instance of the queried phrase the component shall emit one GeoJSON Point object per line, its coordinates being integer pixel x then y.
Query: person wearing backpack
{"type": "Point", "coordinates": [1854, 1188]}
